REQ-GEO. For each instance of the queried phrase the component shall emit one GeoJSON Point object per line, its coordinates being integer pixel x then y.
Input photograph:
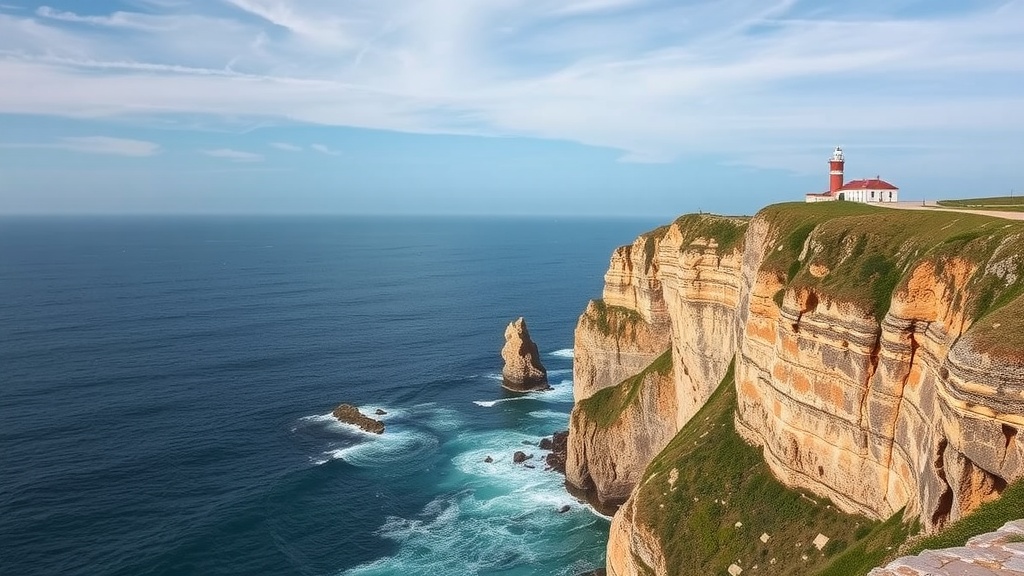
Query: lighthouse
{"type": "Point", "coordinates": [867, 190]}
{"type": "Point", "coordinates": [835, 173]}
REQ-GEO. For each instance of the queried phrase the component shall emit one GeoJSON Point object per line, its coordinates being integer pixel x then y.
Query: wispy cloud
{"type": "Point", "coordinates": [96, 145]}
{"type": "Point", "coordinates": [233, 155]}
{"type": "Point", "coordinates": [654, 80]}
{"type": "Point", "coordinates": [286, 146]}
{"type": "Point", "coordinates": [324, 150]}
{"type": "Point", "coordinates": [114, 20]}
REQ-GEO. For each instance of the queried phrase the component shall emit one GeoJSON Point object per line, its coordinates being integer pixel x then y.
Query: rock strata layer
{"type": "Point", "coordinates": [868, 365]}
{"type": "Point", "coordinates": [351, 415]}
{"type": "Point", "coordinates": [523, 371]}
{"type": "Point", "coordinates": [673, 289]}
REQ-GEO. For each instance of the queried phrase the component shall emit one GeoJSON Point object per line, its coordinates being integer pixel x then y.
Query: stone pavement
{"type": "Point", "coordinates": [999, 553]}
{"type": "Point", "coordinates": [931, 205]}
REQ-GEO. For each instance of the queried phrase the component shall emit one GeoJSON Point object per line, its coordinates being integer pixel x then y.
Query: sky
{"type": "Point", "coordinates": [508, 107]}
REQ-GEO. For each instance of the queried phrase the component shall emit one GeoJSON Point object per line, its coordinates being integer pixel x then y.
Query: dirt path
{"type": "Point", "coordinates": [931, 205]}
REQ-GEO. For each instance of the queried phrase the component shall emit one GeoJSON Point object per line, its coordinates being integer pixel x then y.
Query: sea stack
{"type": "Point", "coordinates": [349, 414]}
{"type": "Point", "coordinates": [523, 371]}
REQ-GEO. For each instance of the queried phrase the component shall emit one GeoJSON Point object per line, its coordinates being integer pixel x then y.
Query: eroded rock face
{"type": "Point", "coordinates": [606, 461]}
{"type": "Point", "coordinates": [351, 415]}
{"type": "Point", "coordinates": [523, 369]}
{"type": "Point", "coordinates": [622, 333]}
{"type": "Point", "coordinates": [877, 413]}
{"type": "Point", "coordinates": [669, 289]}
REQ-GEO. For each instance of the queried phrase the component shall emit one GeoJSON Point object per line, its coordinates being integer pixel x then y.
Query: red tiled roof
{"type": "Point", "coordinates": [868, 184]}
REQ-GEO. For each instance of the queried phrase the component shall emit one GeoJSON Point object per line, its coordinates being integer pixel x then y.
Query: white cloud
{"type": "Point", "coordinates": [233, 155]}
{"type": "Point", "coordinates": [97, 145]}
{"type": "Point", "coordinates": [115, 20]}
{"type": "Point", "coordinates": [653, 80]}
{"type": "Point", "coordinates": [107, 145]}
{"type": "Point", "coordinates": [324, 150]}
{"type": "Point", "coordinates": [286, 146]}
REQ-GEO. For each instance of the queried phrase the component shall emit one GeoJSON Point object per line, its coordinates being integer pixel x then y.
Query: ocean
{"type": "Point", "coordinates": [166, 387]}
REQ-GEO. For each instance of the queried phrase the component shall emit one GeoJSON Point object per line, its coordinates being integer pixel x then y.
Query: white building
{"type": "Point", "coordinates": [867, 190]}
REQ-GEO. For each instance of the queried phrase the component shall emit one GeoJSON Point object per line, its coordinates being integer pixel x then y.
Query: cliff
{"type": "Point", "coordinates": [878, 361]}
{"type": "Point", "coordinates": [681, 279]}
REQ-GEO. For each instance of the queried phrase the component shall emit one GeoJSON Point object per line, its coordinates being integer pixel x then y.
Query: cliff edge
{"type": "Point", "coordinates": [878, 360]}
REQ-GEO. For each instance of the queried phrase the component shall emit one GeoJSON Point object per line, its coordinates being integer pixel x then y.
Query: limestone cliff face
{"type": "Point", "coordinates": [884, 414]}
{"type": "Point", "coordinates": [878, 357]}
{"type": "Point", "coordinates": [618, 336]}
{"type": "Point", "coordinates": [608, 452]}
{"type": "Point", "coordinates": [676, 288]}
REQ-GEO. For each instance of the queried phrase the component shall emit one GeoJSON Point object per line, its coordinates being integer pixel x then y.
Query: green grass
{"type": "Point", "coordinates": [872, 549]}
{"type": "Point", "coordinates": [998, 203]}
{"type": "Point", "coordinates": [721, 481]}
{"type": "Point", "coordinates": [987, 518]}
{"type": "Point", "coordinates": [727, 231]}
{"type": "Point", "coordinates": [605, 406]}
{"type": "Point", "coordinates": [614, 320]}
{"type": "Point", "coordinates": [870, 252]}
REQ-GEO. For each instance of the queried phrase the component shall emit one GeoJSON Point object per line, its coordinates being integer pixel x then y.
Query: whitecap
{"type": "Point", "coordinates": [384, 449]}
{"type": "Point", "coordinates": [493, 403]}
{"type": "Point", "coordinates": [559, 372]}
{"type": "Point", "coordinates": [561, 392]}
{"type": "Point", "coordinates": [563, 353]}
{"type": "Point", "coordinates": [549, 415]}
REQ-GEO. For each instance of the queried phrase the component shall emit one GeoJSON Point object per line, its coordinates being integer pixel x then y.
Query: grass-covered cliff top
{"type": "Point", "coordinates": [605, 406]}
{"type": "Point", "coordinates": [997, 203]}
{"type": "Point", "coordinates": [726, 231]}
{"type": "Point", "coordinates": [709, 497]}
{"type": "Point", "coordinates": [869, 252]}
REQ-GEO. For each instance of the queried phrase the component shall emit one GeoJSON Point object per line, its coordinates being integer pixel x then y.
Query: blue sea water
{"type": "Point", "coordinates": [166, 385]}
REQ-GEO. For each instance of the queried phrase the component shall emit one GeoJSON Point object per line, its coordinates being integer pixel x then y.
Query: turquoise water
{"type": "Point", "coordinates": [167, 383]}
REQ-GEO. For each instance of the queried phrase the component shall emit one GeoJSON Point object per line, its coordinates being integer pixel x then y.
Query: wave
{"type": "Point", "coordinates": [563, 353]}
{"type": "Point", "coordinates": [505, 521]}
{"type": "Point", "coordinates": [384, 449]}
{"type": "Point", "coordinates": [561, 392]}
{"type": "Point", "coordinates": [399, 443]}
{"type": "Point", "coordinates": [549, 415]}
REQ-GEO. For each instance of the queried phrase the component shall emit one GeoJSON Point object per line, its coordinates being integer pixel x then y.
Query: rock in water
{"type": "Point", "coordinates": [349, 414]}
{"type": "Point", "coordinates": [519, 457]}
{"type": "Point", "coordinates": [523, 371]}
{"type": "Point", "coordinates": [559, 445]}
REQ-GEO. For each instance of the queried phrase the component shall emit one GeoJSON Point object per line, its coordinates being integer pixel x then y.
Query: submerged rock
{"type": "Point", "coordinates": [488, 460]}
{"type": "Point", "coordinates": [519, 457]}
{"type": "Point", "coordinates": [380, 412]}
{"type": "Point", "coordinates": [564, 509]}
{"type": "Point", "coordinates": [523, 371]}
{"type": "Point", "coordinates": [349, 414]}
